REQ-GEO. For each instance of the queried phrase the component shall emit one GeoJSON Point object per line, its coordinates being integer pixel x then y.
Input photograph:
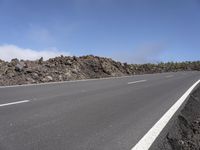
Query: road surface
{"type": "Point", "coordinates": [106, 114]}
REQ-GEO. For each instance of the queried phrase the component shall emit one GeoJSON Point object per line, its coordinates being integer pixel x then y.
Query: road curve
{"type": "Point", "coordinates": [101, 114]}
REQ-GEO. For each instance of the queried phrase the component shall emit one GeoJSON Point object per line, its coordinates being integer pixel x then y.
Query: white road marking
{"type": "Point", "coordinates": [169, 76]}
{"type": "Point", "coordinates": [14, 103]}
{"type": "Point", "coordinates": [60, 82]}
{"type": "Point", "coordinates": [148, 139]}
{"type": "Point", "coordinates": [137, 81]}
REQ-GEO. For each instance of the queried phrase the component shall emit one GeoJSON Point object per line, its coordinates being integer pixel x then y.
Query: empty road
{"type": "Point", "coordinates": [105, 114]}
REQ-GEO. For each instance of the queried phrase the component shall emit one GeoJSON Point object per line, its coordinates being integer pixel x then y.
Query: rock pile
{"type": "Point", "coordinates": [73, 68]}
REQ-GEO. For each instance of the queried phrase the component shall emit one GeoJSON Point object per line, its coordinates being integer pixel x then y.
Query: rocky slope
{"type": "Point", "coordinates": [73, 68]}
{"type": "Point", "coordinates": [185, 131]}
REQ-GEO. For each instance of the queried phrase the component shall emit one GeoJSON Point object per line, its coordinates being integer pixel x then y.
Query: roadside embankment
{"type": "Point", "coordinates": [64, 68]}
{"type": "Point", "coordinates": [183, 132]}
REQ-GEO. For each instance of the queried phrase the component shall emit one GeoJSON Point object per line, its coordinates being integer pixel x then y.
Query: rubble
{"type": "Point", "coordinates": [72, 68]}
{"type": "Point", "coordinates": [184, 133]}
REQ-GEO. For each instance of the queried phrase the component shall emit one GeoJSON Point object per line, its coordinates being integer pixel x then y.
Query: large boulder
{"type": "Point", "coordinates": [19, 66]}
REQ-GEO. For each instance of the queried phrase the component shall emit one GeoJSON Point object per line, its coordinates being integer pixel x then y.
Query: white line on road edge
{"type": "Point", "coordinates": [148, 139]}
{"type": "Point", "coordinates": [14, 103]}
{"type": "Point", "coordinates": [169, 76]}
{"type": "Point", "coordinates": [61, 82]}
{"type": "Point", "coordinates": [137, 81]}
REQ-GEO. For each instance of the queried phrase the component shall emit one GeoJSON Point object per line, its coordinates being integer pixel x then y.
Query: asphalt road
{"type": "Point", "coordinates": [108, 114]}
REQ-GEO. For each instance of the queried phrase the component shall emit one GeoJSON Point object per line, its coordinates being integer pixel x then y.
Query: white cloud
{"type": "Point", "coordinates": [8, 52]}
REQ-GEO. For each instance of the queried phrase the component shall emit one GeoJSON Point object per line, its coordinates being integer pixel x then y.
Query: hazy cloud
{"type": "Point", "coordinates": [8, 52]}
{"type": "Point", "coordinates": [147, 53]}
{"type": "Point", "coordinates": [40, 34]}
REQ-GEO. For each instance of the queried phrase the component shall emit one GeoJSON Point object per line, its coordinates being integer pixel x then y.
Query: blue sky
{"type": "Point", "coordinates": [134, 31]}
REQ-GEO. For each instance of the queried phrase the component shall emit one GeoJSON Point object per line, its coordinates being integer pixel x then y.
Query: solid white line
{"type": "Point", "coordinates": [169, 76]}
{"type": "Point", "coordinates": [148, 139]}
{"type": "Point", "coordinates": [137, 81]}
{"type": "Point", "coordinates": [14, 103]}
{"type": "Point", "coordinates": [60, 82]}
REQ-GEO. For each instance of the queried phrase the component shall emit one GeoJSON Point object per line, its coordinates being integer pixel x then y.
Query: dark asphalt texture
{"type": "Point", "coordinates": [107, 114]}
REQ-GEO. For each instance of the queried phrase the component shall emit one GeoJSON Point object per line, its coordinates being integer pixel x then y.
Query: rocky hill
{"type": "Point", "coordinates": [73, 68]}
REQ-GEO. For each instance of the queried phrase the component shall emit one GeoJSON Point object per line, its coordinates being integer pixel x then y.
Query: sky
{"type": "Point", "coordinates": [133, 31]}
